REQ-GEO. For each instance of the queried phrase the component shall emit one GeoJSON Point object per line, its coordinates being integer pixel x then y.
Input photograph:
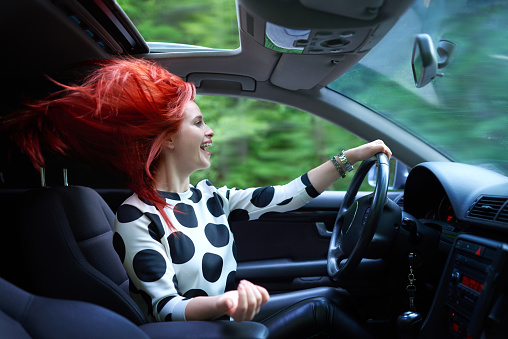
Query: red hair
{"type": "Point", "coordinates": [119, 118]}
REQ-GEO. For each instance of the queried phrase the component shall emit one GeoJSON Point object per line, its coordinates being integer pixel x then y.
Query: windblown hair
{"type": "Point", "coordinates": [119, 118]}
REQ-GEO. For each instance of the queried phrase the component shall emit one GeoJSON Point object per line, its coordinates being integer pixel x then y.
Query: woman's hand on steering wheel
{"type": "Point", "coordinates": [367, 151]}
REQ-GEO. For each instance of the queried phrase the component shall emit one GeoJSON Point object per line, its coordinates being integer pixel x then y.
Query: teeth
{"type": "Point", "coordinates": [208, 144]}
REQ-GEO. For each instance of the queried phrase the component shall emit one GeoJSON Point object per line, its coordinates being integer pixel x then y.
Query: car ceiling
{"type": "Point", "coordinates": [47, 39]}
{"type": "Point", "coordinates": [43, 39]}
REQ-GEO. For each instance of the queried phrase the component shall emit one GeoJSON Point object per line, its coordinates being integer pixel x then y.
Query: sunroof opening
{"type": "Point", "coordinates": [205, 23]}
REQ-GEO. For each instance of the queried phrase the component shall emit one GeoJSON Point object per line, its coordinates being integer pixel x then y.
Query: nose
{"type": "Point", "coordinates": [209, 132]}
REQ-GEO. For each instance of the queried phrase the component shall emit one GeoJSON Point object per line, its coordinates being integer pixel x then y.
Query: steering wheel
{"type": "Point", "coordinates": [357, 220]}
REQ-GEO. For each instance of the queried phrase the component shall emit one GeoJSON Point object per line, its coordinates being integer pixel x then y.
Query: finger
{"type": "Point", "coordinates": [239, 314]}
{"type": "Point", "coordinates": [382, 148]}
{"type": "Point", "coordinates": [253, 300]}
{"type": "Point", "coordinates": [265, 296]}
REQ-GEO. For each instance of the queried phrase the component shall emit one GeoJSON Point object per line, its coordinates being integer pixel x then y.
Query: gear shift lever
{"type": "Point", "coordinates": [409, 324]}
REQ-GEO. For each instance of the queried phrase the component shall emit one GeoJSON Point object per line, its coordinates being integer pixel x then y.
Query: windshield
{"type": "Point", "coordinates": [463, 114]}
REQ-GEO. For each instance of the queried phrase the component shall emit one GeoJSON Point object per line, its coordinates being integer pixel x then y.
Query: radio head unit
{"type": "Point", "coordinates": [471, 285]}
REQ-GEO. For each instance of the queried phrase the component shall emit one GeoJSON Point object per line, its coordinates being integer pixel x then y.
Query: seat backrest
{"type": "Point", "coordinates": [68, 240]}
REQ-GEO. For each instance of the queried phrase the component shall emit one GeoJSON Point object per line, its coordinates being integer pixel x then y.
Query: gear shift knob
{"type": "Point", "coordinates": [409, 324]}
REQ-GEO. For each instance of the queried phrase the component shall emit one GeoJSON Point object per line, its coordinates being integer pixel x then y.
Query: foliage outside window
{"type": "Point", "coordinates": [260, 143]}
{"type": "Point", "coordinates": [206, 23]}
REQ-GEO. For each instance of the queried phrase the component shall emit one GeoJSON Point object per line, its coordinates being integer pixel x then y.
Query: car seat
{"type": "Point", "coordinates": [68, 243]}
{"type": "Point", "coordinates": [24, 315]}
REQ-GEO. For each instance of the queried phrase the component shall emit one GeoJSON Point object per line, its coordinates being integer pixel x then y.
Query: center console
{"type": "Point", "coordinates": [470, 300]}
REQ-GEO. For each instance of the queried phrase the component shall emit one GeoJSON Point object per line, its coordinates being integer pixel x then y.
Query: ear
{"type": "Point", "coordinates": [169, 143]}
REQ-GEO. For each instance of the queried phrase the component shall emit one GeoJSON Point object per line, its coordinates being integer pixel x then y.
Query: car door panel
{"type": "Point", "coordinates": [288, 251]}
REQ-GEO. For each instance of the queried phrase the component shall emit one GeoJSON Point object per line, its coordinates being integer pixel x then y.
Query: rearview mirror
{"type": "Point", "coordinates": [425, 61]}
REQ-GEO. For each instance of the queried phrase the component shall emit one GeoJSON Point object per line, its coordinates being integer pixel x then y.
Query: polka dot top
{"type": "Point", "coordinates": [167, 268]}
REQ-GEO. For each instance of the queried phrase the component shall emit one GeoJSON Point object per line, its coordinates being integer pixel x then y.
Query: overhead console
{"type": "Point", "coordinates": [471, 298]}
{"type": "Point", "coordinates": [317, 32]}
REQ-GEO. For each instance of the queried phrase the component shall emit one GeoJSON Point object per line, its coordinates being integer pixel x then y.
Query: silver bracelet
{"type": "Point", "coordinates": [346, 163]}
{"type": "Point", "coordinates": [339, 167]}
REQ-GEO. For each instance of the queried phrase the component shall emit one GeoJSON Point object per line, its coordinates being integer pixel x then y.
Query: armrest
{"type": "Point", "coordinates": [205, 329]}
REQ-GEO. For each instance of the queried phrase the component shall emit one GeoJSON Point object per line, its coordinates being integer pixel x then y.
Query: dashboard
{"type": "Point", "coordinates": [469, 206]}
{"type": "Point", "coordinates": [459, 197]}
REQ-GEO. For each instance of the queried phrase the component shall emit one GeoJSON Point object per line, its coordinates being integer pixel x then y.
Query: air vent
{"type": "Point", "coordinates": [487, 208]}
{"type": "Point", "coordinates": [503, 215]}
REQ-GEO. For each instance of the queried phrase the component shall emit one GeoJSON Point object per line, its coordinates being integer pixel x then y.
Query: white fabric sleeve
{"type": "Point", "coordinates": [255, 202]}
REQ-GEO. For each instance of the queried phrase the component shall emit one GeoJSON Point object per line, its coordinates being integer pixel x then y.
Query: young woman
{"type": "Point", "coordinates": [139, 120]}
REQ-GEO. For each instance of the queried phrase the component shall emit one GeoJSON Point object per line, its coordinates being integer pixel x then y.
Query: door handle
{"type": "Point", "coordinates": [322, 230]}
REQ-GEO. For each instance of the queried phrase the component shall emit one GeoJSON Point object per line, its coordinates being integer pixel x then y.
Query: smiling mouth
{"type": "Point", "coordinates": [204, 146]}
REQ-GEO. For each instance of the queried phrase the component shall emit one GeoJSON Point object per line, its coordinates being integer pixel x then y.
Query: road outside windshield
{"type": "Point", "coordinates": [464, 114]}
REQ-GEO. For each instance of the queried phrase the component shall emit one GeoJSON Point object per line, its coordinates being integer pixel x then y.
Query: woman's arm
{"type": "Point", "coordinates": [326, 174]}
{"type": "Point", "coordinates": [242, 304]}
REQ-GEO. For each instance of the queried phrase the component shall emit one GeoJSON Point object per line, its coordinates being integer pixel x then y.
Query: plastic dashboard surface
{"type": "Point", "coordinates": [458, 196]}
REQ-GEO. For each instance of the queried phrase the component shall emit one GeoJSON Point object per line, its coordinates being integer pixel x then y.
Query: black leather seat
{"type": "Point", "coordinates": [68, 243]}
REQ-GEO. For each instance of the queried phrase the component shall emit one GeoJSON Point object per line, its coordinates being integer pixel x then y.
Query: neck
{"type": "Point", "coordinates": [169, 178]}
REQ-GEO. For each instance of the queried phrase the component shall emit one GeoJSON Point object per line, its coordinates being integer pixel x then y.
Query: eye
{"type": "Point", "coordinates": [199, 122]}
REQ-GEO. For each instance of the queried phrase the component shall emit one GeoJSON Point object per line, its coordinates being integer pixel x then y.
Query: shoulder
{"type": "Point", "coordinates": [136, 217]}
{"type": "Point", "coordinates": [136, 211]}
{"type": "Point", "coordinates": [134, 205]}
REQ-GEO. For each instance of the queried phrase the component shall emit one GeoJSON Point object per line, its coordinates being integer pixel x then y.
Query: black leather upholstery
{"type": "Point", "coordinates": [68, 242]}
{"type": "Point", "coordinates": [307, 313]}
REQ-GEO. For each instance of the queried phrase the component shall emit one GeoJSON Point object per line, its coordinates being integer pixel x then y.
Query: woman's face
{"type": "Point", "coordinates": [192, 139]}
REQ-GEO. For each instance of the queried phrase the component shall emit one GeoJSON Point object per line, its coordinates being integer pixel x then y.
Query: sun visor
{"type": "Point", "coordinates": [303, 27]}
{"type": "Point", "coordinates": [318, 42]}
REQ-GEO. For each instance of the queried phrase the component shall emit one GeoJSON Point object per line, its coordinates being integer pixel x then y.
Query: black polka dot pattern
{"type": "Point", "coordinates": [195, 293]}
{"type": "Point", "coordinates": [147, 202]}
{"type": "Point", "coordinates": [285, 202]}
{"type": "Point", "coordinates": [263, 196]}
{"type": "Point", "coordinates": [231, 281]}
{"type": "Point", "coordinates": [196, 195]}
{"type": "Point", "coordinates": [149, 265]}
{"type": "Point", "coordinates": [119, 246]}
{"type": "Point", "coordinates": [185, 215]}
{"type": "Point", "coordinates": [217, 234]}
{"type": "Point", "coordinates": [311, 191]}
{"type": "Point", "coordinates": [181, 247]}
{"type": "Point", "coordinates": [128, 213]}
{"type": "Point", "coordinates": [215, 205]}
{"type": "Point", "coordinates": [212, 267]}
{"type": "Point", "coordinates": [155, 227]}
{"type": "Point", "coordinates": [175, 282]}
{"type": "Point", "coordinates": [170, 195]}
{"type": "Point", "coordinates": [163, 303]}
{"type": "Point", "coordinates": [197, 257]}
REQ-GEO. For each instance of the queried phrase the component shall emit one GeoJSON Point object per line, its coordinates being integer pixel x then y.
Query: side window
{"type": "Point", "coordinates": [259, 143]}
